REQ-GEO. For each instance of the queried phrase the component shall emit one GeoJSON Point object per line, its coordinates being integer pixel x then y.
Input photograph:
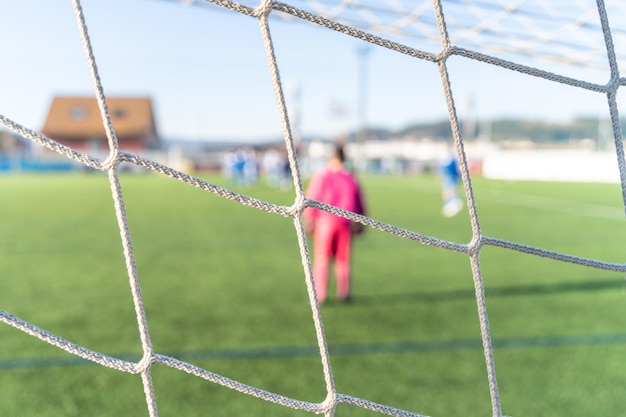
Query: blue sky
{"type": "Point", "coordinates": [206, 70]}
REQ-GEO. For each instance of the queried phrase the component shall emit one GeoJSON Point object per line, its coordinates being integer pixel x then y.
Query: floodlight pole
{"type": "Point", "coordinates": [363, 90]}
{"type": "Point", "coordinates": [297, 113]}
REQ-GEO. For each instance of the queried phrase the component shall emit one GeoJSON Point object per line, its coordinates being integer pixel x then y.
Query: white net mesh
{"type": "Point", "coordinates": [514, 35]}
{"type": "Point", "coordinates": [528, 32]}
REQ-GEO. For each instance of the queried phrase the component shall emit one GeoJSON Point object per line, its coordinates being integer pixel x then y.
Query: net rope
{"type": "Point", "coordinates": [262, 13]}
{"type": "Point", "coordinates": [525, 29]}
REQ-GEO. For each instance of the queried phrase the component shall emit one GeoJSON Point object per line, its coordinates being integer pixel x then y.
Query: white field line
{"type": "Point", "coordinates": [551, 204]}
{"type": "Point", "coordinates": [577, 207]}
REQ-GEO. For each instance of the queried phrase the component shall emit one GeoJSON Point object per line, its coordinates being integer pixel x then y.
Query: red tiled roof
{"type": "Point", "coordinates": [79, 118]}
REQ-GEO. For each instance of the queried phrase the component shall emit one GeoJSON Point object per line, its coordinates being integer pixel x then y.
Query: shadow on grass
{"type": "Point", "coordinates": [373, 348]}
{"type": "Point", "coordinates": [510, 291]}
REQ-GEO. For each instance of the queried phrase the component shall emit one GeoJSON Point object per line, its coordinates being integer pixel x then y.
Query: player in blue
{"type": "Point", "coordinates": [450, 177]}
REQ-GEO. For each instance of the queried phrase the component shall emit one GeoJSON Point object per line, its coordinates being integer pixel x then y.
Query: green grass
{"type": "Point", "coordinates": [223, 288]}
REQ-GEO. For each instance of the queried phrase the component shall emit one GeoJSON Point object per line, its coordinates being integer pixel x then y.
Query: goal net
{"type": "Point", "coordinates": [518, 36]}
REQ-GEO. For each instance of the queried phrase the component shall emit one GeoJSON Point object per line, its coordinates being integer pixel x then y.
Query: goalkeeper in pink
{"type": "Point", "coordinates": [332, 235]}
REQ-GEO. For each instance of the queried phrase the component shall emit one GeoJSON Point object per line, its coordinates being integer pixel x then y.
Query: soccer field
{"type": "Point", "coordinates": [223, 288]}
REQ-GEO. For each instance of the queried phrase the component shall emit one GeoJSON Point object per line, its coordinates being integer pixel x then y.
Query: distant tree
{"type": "Point", "coordinates": [503, 129]}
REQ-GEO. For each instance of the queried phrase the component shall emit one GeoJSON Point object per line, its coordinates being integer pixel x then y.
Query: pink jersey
{"type": "Point", "coordinates": [331, 233]}
{"type": "Point", "coordinates": [335, 187]}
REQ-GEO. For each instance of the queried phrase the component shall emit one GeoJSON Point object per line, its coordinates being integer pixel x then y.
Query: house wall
{"type": "Point", "coordinates": [552, 165]}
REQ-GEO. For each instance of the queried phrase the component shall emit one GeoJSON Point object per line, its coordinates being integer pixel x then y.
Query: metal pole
{"type": "Point", "coordinates": [363, 93]}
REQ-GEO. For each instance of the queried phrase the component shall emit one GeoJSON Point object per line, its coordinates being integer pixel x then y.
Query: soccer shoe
{"type": "Point", "coordinates": [452, 208]}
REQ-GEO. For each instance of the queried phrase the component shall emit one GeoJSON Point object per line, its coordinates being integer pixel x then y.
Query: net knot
{"type": "Point", "coordinates": [329, 404]}
{"type": "Point", "coordinates": [298, 206]}
{"type": "Point", "coordinates": [145, 363]}
{"type": "Point", "coordinates": [264, 9]}
{"type": "Point", "coordinates": [112, 161]}
{"type": "Point", "coordinates": [473, 248]}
